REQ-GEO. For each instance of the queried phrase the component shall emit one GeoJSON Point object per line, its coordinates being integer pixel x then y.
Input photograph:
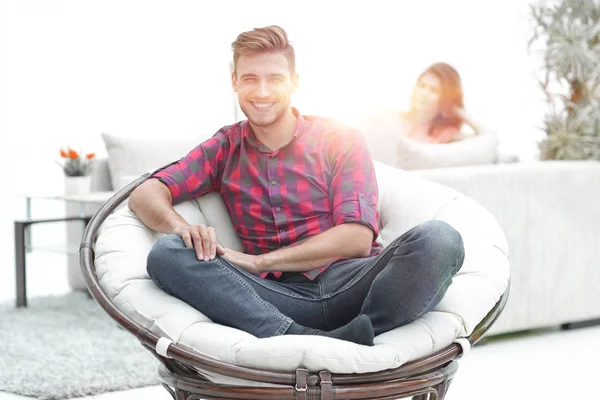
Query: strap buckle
{"type": "Point", "coordinates": [326, 385]}
{"type": "Point", "coordinates": [301, 380]}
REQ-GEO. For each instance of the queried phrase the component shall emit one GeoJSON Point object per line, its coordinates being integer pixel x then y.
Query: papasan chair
{"type": "Point", "coordinates": [204, 360]}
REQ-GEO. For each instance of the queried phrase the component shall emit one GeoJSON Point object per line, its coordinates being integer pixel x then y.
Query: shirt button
{"type": "Point", "coordinates": [273, 183]}
{"type": "Point", "coordinates": [277, 208]}
{"type": "Point", "coordinates": [362, 195]}
{"type": "Point", "coordinates": [281, 231]}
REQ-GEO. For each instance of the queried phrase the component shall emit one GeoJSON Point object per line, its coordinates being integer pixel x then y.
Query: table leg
{"type": "Point", "coordinates": [20, 229]}
{"type": "Point", "coordinates": [28, 217]}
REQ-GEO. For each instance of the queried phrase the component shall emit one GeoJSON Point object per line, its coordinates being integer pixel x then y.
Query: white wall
{"type": "Point", "coordinates": [73, 68]}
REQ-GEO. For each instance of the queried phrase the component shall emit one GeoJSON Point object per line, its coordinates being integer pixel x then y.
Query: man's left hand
{"type": "Point", "coordinates": [246, 261]}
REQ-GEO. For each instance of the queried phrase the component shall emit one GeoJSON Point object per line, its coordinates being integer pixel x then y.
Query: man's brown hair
{"type": "Point", "coordinates": [269, 39]}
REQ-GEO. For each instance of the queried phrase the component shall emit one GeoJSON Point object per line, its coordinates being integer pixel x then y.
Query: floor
{"type": "Point", "coordinates": [546, 364]}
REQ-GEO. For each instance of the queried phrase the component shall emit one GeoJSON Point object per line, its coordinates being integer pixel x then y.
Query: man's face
{"type": "Point", "coordinates": [264, 86]}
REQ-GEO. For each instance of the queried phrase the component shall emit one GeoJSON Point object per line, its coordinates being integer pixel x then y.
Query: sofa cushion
{"type": "Point", "coordinates": [405, 200]}
{"type": "Point", "coordinates": [479, 149]}
{"type": "Point", "coordinates": [388, 146]}
{"type": "Point", "coordinates": [129, 158]}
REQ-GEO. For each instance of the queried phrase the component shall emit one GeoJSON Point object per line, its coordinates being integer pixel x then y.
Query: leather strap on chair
{"type": "Point", "coordinates": [327, 389]}
{"type": "Point", "coordinates": [162, 346]}
{"type": "Point", "coordinates": [300, 390]}
{"type": "Point", "coordinates": [465, 345]}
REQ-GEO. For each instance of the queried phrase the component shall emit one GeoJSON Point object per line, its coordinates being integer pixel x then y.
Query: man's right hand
{"type": "Point", "coordinates": [202, 238]}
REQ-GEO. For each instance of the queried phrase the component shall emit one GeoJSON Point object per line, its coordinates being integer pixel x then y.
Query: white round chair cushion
{"type": "Point", "coordinates": [405, 200]}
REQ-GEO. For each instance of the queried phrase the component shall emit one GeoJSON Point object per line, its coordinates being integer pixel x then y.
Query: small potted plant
{"type": "Point", "coordinates": [77, 167]}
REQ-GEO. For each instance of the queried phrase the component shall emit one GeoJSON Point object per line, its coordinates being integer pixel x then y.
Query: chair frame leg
{"type": "Point", "coordinates": [168, 389]}
{"type": "Point", "coordinates": [442, 389]}
{"type": "Point", "coordinates": [182, 394]}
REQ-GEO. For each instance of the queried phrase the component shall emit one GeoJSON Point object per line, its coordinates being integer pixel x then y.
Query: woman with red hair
{"type": "Point", "coordinates": [431, 133]}
{"type": "Point", "coordinates": [437, 112]}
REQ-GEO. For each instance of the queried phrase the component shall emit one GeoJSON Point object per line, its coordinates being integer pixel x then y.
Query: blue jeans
{"type": "Point", "coordinates": [406, 280]}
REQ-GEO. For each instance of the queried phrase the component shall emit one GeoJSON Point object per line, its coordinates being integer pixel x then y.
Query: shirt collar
{"type": "Point", "coordinates": [251, 138]}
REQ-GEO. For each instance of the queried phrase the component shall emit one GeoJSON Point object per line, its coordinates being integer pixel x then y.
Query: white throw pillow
{"type": "Point", "coordinates": [129, 158]}
{"type": "Point", "coordinates": [389, 147]}
{"type": "Point", "coordinates": [479, 149]}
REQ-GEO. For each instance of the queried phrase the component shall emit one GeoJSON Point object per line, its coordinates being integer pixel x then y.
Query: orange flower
{"type": "Point", "coordinates": [76, 163]}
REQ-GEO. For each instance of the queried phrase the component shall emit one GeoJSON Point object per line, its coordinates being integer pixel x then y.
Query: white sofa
{"type": "Point", "coordinates": [550, 213]}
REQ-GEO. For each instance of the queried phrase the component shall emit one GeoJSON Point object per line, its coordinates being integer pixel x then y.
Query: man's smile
{"type": "Point", "coordinates": [262, 106]}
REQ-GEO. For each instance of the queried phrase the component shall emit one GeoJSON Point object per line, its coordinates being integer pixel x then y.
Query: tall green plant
{"type": "Point", "coordinates": [569, 34]}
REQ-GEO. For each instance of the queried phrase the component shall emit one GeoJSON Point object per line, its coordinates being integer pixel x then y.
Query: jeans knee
{"type": "Point", "coordinates": [160, 257]}
{"type": "Point", "coordinates": [443, 242]}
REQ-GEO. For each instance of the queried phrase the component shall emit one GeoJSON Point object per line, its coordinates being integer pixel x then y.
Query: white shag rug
{"type": "Point", "coordinates": [67, 346]}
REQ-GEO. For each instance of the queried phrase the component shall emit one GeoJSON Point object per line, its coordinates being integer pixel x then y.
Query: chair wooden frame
{"type": "Point", "coordinates": [180, 374]}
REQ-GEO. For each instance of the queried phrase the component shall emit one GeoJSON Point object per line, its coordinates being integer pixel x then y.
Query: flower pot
{"type": "Point", "coordinates": [78, 184]}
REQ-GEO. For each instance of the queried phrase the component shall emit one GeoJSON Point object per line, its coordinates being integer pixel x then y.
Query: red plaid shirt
{"type": "Point", "coordinates": [324, 177]}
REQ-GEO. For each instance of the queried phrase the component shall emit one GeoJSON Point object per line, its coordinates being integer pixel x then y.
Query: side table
{"type": "Point", "coordinates": [23, 233]}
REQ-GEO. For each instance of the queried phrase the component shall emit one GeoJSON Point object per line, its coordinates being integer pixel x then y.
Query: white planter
{"type": "Point", "coordinates": [78, 184]}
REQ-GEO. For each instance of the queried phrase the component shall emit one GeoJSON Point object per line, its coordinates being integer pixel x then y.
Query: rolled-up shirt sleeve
{"type": "Point", "coordinates": [199, 172]}
{"type": "Point", "coordinates": [353, 185]}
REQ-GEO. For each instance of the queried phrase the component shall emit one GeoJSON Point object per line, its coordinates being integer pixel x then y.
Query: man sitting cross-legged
{"type": "Point", "coordinates": [302, 196]}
